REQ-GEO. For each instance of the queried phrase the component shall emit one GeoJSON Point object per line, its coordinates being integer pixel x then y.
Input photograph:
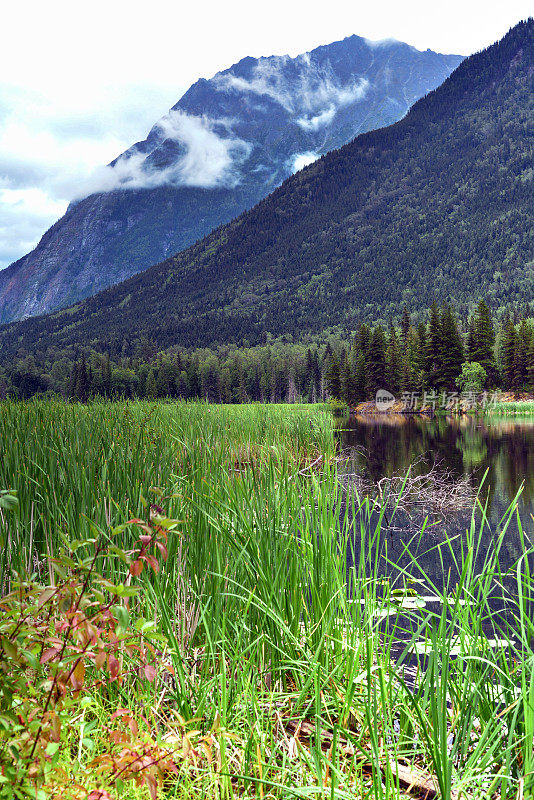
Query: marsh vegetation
{"type": "Point", "coordinates": [267, 643]}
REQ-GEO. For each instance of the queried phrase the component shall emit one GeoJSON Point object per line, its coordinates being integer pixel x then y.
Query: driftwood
{"type": "Point", "coordinates": [420, 783]}
{"type": "Point", "coordinates": [436, 491]}
{"type": "Point", "coordinates": [413, 780]}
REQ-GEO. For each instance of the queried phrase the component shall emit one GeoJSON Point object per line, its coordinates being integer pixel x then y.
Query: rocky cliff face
{"type": "Point", "coordinates": [225, 145]}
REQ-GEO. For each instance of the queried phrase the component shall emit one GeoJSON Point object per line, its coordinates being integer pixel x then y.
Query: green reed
{"type": "Point", "coordinates": [279, 625]}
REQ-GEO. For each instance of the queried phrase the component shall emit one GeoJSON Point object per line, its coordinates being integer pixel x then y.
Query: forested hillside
{"type": "Point", "coordinates": [437, 206]}
{"type": "Point", "coordinates": [225, 145]}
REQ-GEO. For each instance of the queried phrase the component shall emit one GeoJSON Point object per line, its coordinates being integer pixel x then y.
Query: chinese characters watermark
{"type": "Point", "coordinates": [431, 400]}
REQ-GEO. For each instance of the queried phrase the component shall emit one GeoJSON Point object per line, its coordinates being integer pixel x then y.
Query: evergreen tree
{"type": "Point", "coordinates": [394, 364]}
{"type": "Point", "coordinates": [521, 357]}
{"type": "Point", "coordinates": [333, 377]}
{"type": "Point", "coordinates": [484, 339]}
{"type": "Point", "coordinates": [508, 355]}
{"type": "Point", "coordinates": [452, 354]}
{"type": "Point", "coordinates": [419, 363]}
{"type": "Point", "coordinates": [348, 383]}
{"type": "Point", "coordinates": [150, 387]}
{"type": "Point", "coordinates": [360, 377]}
{"type": "Point", "coordinates": [470, 348]}
{"type": "Point", "coordinates": [530, 365]}
{"type": "Point", "coordinates": [433, 349]}
{"type": "Point", "coordinates": [106, 376]}
{"type": "Point", "coordinates": [82, 381]}
{"type": "Point", "coordinates": [405, 325]}
{"type": "Point", "coordinates": [376, 361]}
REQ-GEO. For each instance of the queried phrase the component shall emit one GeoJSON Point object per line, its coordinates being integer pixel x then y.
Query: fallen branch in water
{"type": "Point", "coordinates": [438, 490]}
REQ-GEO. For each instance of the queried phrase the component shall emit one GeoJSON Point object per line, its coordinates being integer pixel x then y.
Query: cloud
{"type": "Point", "coordinates": [49, 148]}
{"type": "Point", "coordinates": [383, 42]}
{"type": "Point", "coordinates": [301, 160]}
{"type": "Point", "coordinates": [211, 159]}
{"type": "Point", "coordinates": [313, 98]}
{"type": "Point", "coordinates": [316, 122]}
{"type": "Point", "coordinates": [24, 215]}
{"type": "Point", "coordinates": [208, 156]}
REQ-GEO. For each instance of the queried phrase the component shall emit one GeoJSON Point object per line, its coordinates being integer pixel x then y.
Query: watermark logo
{"type": "Point", "coordinates": [384, 400]}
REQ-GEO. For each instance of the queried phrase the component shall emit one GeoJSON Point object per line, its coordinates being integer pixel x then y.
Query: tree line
{"type": "Point", "coordinates": [402, 357]}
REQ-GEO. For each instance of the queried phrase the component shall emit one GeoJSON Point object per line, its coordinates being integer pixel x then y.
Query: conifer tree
{"type": "Point", "coordinates": [521, 356]}
{"type": "Point", "coordinates": [530, 365]}
{"type": "Point", "coordinates": [82, 381]}
{"type": "Point", "coordinates": [333, 377]}
{"type": "Point", "coordinates": [452, 354]}
{"type": "Point", "coordinates": [394, 364]}
{"type": "Point", "coordinates": [419, 363]}
{"type": "Point", "coordinates": [508, 354]}
{"type": "Point", "coordinates": [470, 348]}
{"type": "Point", "coordinates": [360, 377]}
{"type": "Point", "coordinates": [348, 382]}
{"type": "Point", "coordinates": [405, 325]}
{"type": "Point", "coordinates": [484, 339]}
{"type": "Point", "coordinates": [376, 361]}
{"type": "Point", "coordinates": [433, 348]}
{"type": "Point", "coordinates": [106, 376]}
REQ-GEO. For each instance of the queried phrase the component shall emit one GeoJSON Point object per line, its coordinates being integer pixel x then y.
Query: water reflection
{"type": "Point", "coordinates": [467, 448]}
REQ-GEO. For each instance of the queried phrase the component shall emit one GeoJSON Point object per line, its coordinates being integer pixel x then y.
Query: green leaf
{"type": "Point", "coordinates": [9, 648]}
{"type": "Point", "coordinates": [8, 499]}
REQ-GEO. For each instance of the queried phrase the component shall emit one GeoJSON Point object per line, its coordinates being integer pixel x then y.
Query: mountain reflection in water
{"type": "Point", "coordinates": [459, 451]}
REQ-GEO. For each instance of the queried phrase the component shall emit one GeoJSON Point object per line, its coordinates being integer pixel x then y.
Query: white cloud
{"type": "Point", "coordinates": [208, 159]}
{"type": "Point", "coordinates": [380, 42]}
{"type": "Point", "coordinates": [211, 159]}
{"type": "Point", "coordinates": [33, 201]}
{"type": "Point", "coordinates": [105, 76]}
{"type": "Point", "coordinates": [48, 150]}
{"type": "Point", "coordinates": [301, 160]}
{"type": "Point", "coordinates": [313, 100]}
{"type": "Point", "coordinates": [316, 122]}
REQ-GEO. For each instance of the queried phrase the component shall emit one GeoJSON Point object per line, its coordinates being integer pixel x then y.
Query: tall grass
{"type": "Point", "coordinates": [515, 408]}
{"type": "Point", "coordinates": [323, 679]}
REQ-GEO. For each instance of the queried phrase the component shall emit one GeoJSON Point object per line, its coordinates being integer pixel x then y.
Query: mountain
{"type": "Point", "coordinates": [224, 146]}
{"type": "Point", "coordinates": [437, 206]}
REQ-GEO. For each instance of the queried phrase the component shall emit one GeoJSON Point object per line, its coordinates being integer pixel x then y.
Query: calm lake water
{"type": "Point", "coordinates": [460, 453]}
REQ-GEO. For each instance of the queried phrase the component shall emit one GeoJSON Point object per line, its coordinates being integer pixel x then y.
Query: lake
{"type": "Point", "coordinates": [449, 457]}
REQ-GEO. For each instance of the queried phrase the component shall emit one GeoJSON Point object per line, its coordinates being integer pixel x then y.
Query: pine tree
{"type": "Point", "coordinates": [508, 355]}
{"type": "Point", "coordinates": [484, 340]}
{"type": "Point", "coordinates": [521, 357]}
{"type": "Point", "coordinates": [419, 363]}
{"type": "Point", "coordinates": [106, 376]}
{"type": "Point", "coordinates": [360, 377]}
{"type": "Point", "coordinates": [348, 384]}
{"type": "Point", "coordinates": [376, 361]}
{"type": "Point", "coordinates": [82, 381]}
{"type": "Point", "coordinates": [452, 353]}
{"type": "Point", "coordinates": [530, 365]}
{"type": "Point", "coordinates": [471, 340]}
{"type": "Point", "coordinates": [150, 388]}
{"type": "Point", "coordinates": [333, 377]}
{"type": "Point", "coordinates": [394, 364]}
{"type": "Point", "coordinates": [433, 348]}
{"type": "Point", "coordinates": [405, 325]}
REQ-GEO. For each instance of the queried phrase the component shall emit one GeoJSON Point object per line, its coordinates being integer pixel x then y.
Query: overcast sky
{"type": "Point", "coordinates": [80, 82]}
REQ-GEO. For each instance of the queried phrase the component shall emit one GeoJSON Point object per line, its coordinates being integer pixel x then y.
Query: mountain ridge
{"type": "Point", "coordinates": [227, 143]}
{"type": "Point", "coordinates": [436, 206]}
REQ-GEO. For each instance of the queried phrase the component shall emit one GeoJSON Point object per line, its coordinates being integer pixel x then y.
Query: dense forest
{"type": "Point", "coordinates": [405, 357]}
{"type": "Point", "coordinates": [436, 206]}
